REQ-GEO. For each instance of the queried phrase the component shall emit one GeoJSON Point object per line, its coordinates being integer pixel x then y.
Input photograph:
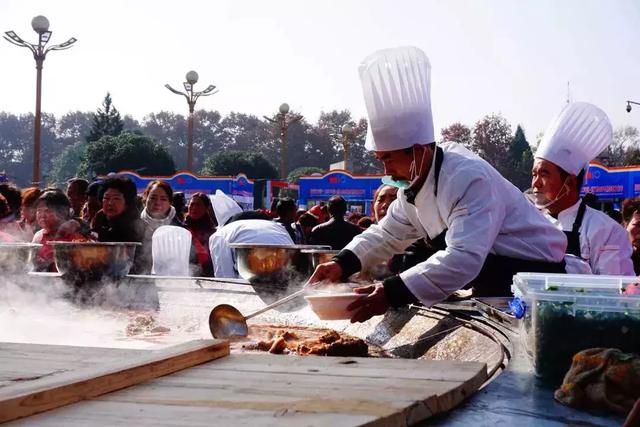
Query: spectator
{"type": "Point", "coordinates": [631, 222]}
{"type": "Point", "coordinates": [180, 203]}
{"type": "Point", "coordinates": [199, 222]}
{"type": "Point", "coordinates": [354, 217]}
{"type": "Point", "coordinates": [365, 222]}
{"type": "Point", "coordinates": [305, 224]}
{"type": "Point", "coordinates": [336, 232]}
{"type": "Point", "coordinates": [286, 211]}
{"type": "Point", "coordinates": [384, 195]}
{"type": "Point", "coordinates": [8, 223]}
{"type": "Point", "coordinates": [321, 212]}
{"type": "Point", "coordinates": [14, 199]}
{"type": "Point", "coordinates": [52, 210]}
{"type": "Point", "coordinates": [93, 203]}
{"type": "Point", "coordinates": [77, 194]}
{"type": "Point", "coordinates": [157, 212]}
{"type": "Point", "coordinates": [4, 212]}
{"type": "Point", "coordinates": [28, 224]}
{"type": "Point", "coordinates": [119, 220]}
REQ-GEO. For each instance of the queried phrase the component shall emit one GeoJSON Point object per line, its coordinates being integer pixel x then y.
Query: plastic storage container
{"type": "Point", "coordinates": [563, 314]}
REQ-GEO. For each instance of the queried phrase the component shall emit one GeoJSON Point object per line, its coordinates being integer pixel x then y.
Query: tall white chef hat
{"type": "Point", "coordinates": [396, 84]}
{"type": "Point", "coordinates": [224, 207]}
{"type": "Point", "coordinates": [575, 137]}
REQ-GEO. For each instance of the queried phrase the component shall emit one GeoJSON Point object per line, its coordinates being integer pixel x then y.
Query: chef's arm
{"type": "Point", "coordinates": [379, 242]}
{"type": "Point", "coordinates": [474, 223]}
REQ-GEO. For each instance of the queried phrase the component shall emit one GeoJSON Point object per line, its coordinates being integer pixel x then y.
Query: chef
{"type": "Point", "coordinates": [578, 134]}
{"type": "Point", "coordinates": [236, 226]}
{"type": "Point", "coordinates": [485, 229]}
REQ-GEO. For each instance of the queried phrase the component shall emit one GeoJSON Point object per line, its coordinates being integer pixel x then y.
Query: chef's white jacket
{"type": "Point", "coordinates": [483, 212]}
{"type": "Point", "coordinates": [604, 243]}
{"type": "Point", "coordinates": [242, 231]}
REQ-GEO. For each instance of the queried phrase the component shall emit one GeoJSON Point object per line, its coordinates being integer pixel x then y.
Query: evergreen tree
{"type": "Point", "coordinates": [522, 159]}
{"type": "Point", "coordinates": [106, 122]}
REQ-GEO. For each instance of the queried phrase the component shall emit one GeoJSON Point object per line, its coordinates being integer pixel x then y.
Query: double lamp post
{"type": "Point", "coordinates": [40, 25]}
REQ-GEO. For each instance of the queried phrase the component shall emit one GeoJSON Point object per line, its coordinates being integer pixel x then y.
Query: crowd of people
{"type": "Point", "coordinates": [110, 210]}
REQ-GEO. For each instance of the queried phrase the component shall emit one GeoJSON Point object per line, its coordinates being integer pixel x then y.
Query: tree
{"type": "Point", "coordinates": [66, 165]}
{"type": "Point", "coordinates": [626, 141]}
{"type": "Point", "coordinates": [130, 151]}
{"type": "Point", "coordinates": [106, 121]}
{"type": "Point", "coordinates": [457, 132]}
{"type": "Point", "coordinates": [231, 163]}
{"type": "Point", "coordinates": [522, 160]}
{"type": "Point", "coordinates": [491, 141]}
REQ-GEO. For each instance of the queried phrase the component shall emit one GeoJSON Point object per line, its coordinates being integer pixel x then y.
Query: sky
{"type": "Point", "coordinates": [521, 59]}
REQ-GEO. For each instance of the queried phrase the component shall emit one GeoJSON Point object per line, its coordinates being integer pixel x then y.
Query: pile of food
{"type": "Point", "coordinates": [304, 342]}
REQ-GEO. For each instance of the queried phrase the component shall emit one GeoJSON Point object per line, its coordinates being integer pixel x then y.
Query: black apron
{"type": "Point", "coordinates": [573, 236]}
{"type": "Point", "coordinates": [496, 276]}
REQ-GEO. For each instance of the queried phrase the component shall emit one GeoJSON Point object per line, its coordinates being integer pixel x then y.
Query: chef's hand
{"type": "Point", "coordinates": [373, 304]}
{"type": "Point", "coordinates": [329, 271]}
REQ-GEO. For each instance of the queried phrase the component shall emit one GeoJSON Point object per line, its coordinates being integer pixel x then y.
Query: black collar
{"type": "Point", "coordinates": [412, 191]}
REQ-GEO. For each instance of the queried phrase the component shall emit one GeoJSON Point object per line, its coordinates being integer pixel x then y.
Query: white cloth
{"type": "Point", "coordinates": [396, 84]}
{"type": "Point", "coordinates": [604, 243]}
{"type": "Point", "coordinates": [575, 137]}
{"type": "Point", "coordinates": [483, 212]}
{"type": "Point", "coordinates": [152, 224]}
{"type": "Point", "coordinates": [242, 231]}
{"type": "Point", "coordinates": [224, 207]}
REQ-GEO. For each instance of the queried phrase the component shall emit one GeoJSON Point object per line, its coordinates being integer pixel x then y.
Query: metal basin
{"type": "Point", "coordinates": [273, 265]}
{"type": "Point", "coordinates": [320, 256]}
{"type": "Point", "coordinates": [17, 258]}
{"type": "Point", "coordinates": [92, 261]}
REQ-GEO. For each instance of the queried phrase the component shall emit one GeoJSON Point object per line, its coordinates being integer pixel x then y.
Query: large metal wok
{"type": "Point", "coordinates": [81, 262]}
{"type": "Point", "coordinates": [17, 258]}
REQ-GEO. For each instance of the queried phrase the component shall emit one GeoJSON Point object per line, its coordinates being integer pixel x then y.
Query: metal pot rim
{"type": "Point", "coordinates": [88, 244]}
{"type": "Point", "coordinates": [20, 245]}
{"type": "Point", "coordinates": [272, 246]}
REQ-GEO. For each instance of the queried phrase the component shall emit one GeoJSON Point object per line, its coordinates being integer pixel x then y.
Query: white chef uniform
{"type": "Point", "coordinates": [576, 136]}
{"type": "Point", "coordinates": [242, 231]}
{"type": "Point", "coordinates": [474, 216]}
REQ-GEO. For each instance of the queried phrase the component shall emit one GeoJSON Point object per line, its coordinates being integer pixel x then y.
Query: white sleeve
{"type": "Point", "coordinates": [475, 220]}
{"type": "Point", "coordinates": [610, 251]}
{"type": "Point", "coordinates": [381, 241]}
{"type": "Point", "coordinates": [222, 257]}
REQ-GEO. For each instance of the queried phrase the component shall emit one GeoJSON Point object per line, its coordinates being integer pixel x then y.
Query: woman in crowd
{"type": "Point", "coordinates": [201, 225]}
{"type": "Point", "coordinates": [93, 203]}
{"type": "Point", "coordinates": [28, 223]}
{"type": "Point", "coordinates": [4, 212]}
{"type": "Point", "coordinates": [9, 220]}
{"type": "Point", "coordinates": [631, 221]}
{"type": "Point", "coordinates": [119, 220]}
{"type": "Point", "coordinates": [52, 210]}
{"type": "Point", "coordinates": [158, 211]}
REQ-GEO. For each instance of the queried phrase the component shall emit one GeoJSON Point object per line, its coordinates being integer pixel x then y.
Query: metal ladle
{"type": "Point", "coordinates": [226, 321]}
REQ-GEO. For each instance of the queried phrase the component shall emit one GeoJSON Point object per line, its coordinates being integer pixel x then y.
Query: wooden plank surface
{"type": "Point", "coordinates": [270, 390]}
{"type": "Point", "coordinates": [116, 369]}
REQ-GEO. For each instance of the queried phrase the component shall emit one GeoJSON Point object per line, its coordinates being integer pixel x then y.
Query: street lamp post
{"type": "Point", "coordinates": [282, 121]}
{"type": "Point", "coordinates": [347, 134]}
{"type": "Point", "coordinates": [629, 105]}
{"type": "Point", "coordinates": [40, 25]}
{"type": "Point", "coordinates": [191, 96]}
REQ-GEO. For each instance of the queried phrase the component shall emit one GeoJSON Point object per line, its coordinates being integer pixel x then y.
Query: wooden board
{"type": "Point", "coordinates": [272, 390]}
{"type": "Point", "coordinates": [45, 377]}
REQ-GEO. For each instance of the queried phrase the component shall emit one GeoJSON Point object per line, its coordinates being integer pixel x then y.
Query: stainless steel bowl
{"type": "Point", "coordinates": [320, 256]}
{"type": "Point", "coordinates": [277, 265]}
{"type": "Point", "coordinates": [91, 261]}
{"type": "Point", "coordinates": [17, 258]}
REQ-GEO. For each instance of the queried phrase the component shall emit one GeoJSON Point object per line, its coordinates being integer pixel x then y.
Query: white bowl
{"type": "Point", "coordinates": [333, 306]}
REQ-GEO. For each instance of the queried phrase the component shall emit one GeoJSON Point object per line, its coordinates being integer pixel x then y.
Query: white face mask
{"type": "Point", "coordinates": [541, 202]}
